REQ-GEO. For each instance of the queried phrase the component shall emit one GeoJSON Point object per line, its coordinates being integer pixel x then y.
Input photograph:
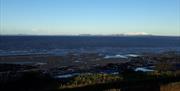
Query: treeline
{"type": "Point", "coordinates": [127, 81]}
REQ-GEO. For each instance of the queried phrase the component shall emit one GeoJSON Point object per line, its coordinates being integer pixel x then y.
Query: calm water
{"type": "Point", "coordinates": [10, 45]}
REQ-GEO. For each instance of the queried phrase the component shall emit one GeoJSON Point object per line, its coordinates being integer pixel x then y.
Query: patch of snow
{"type": "Point", "coordinates": [115, 56]}
{"type": "Point", "coordinates": [136, 33]}
{"type": "Point", "coordinates": [67, 75]}
{"type": "Point", "coordinates": [143, 69]}
{"type": "Point", "coordinates": [132, 55]}
{"type": "Point", "coordinates": [77, 61]}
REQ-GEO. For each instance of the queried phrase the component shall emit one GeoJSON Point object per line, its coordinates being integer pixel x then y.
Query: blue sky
{"type": "Point", "coordinates": [53, 17]}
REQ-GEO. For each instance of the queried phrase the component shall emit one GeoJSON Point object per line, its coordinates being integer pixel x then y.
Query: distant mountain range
{"type": "Point", "coordinates": [121, 34]}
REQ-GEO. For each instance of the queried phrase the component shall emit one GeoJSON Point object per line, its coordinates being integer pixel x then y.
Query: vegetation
{"type": "Point", "coordinates": [36, 81]}
{"type": "Point", "coordinates": [129, 79]}
{"type": "Point", "coordinates": [30, 81]}
{"type": "Point", "coordinates": [167, 71]}
{"type": "Point", "coordinates": [91, 79]}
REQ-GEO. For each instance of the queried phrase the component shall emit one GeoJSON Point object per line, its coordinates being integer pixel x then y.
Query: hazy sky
{"type": "Point", "coordinates": [160, 17]}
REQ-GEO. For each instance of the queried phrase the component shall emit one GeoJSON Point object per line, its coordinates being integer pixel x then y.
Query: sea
{"type": "Point", "coordinates": [61, 45]}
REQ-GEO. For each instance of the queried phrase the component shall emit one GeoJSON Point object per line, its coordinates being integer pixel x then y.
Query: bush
{"type": "Point", "coordinates": [90, 79]}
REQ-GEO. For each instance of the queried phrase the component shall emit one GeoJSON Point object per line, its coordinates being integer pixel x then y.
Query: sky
{"type": "Point", "coordinates": [71, 17]}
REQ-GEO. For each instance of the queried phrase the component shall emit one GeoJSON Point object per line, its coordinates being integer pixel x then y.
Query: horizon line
{"type": "Point", "coordinates": [85, 35]}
